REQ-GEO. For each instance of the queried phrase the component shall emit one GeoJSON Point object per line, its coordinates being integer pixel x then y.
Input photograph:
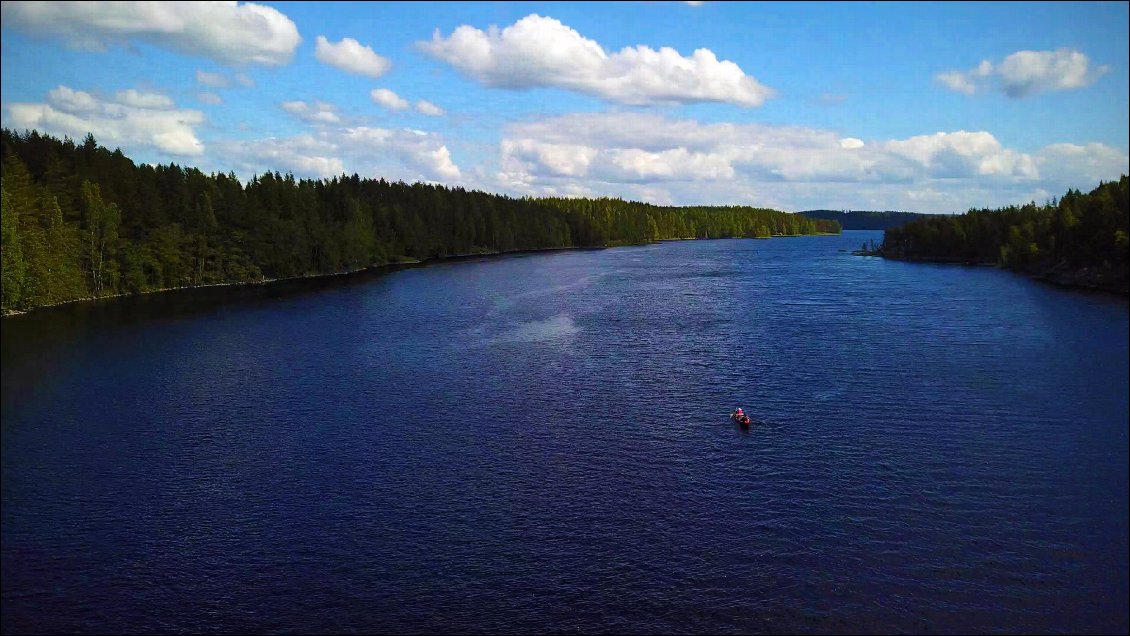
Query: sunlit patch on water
{"type": "Point", "coordinates": [558, 327]}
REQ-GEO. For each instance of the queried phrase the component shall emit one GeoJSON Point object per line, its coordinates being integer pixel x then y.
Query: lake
{"type": "Point", "coordinates": [541, 443]}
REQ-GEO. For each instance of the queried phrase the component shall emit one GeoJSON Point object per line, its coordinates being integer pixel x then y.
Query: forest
{"type": "Point", "coordinates": [1078, 240]}
{"type": "Point", "coordinates": [81, 221]}
{"type": "Point", "coordinates": [864, 219]}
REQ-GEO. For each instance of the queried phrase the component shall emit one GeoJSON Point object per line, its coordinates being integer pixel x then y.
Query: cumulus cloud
{"type": "Point", "coordinates": [304, 155]}
{"type": "Point", "coordinates": [633, 164]}
{"type": "Point", "coordinates": [555, 157]}
{"type": "Point", "coordinates": [625, 147]}
{"type": "Point", "coordinates": [316, 112]}
{"type": "Point", "coordinates": [439, 161]}
{"type": "Point", "coordinates": [616, 146]}
{"type": "Point", "coordinates": [222, 80]}
{"type": "Point", "coordinates": [409, 155]}
{"type": "Point", "coordinates": [391, 101]}
{"type": "Point", "coordinates": [538, 51]}
{"type": "Point", "coordinates": [68, 99]}
{"type": "Point", "coordinates": [956, 81]}
{"type": "Point", "coordinates": [139, 99]}
{"type": "Point", "coordinates": [963, 154]}
{"type": "Point", "coordinates": [351, 56]}
{"type": "Point", "coordinates": [425, 107]}
{"type": "Point", "coordinates": [388, 99]}
{"type": "Point", "coordinates": [227, 32]}
{"type": "Point", "coordinates": [1026, 73]}
{"type": "Point", "coordinates": [1081, 166]}
{"type": "Point", "coordinates": [212, 80]}
{"type": "Point", "coordinates": [131, 120]}
{"type": "Point", "coordinates": [421, 150]}
{"type": "Point", "coordinates": [966, 82]}
{"type": "Point", "coordinates": [685, 161]}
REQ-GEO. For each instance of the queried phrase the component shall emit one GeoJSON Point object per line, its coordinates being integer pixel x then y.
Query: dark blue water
{"type": "Point", "coordinates": [540, 443]}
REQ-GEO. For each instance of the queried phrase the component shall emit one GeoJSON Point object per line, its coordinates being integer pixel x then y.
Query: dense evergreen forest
{"type": "Point", "coordinates": [864, 219]}
{"type": "Point", "coordinates": [1079, 240]}
{"type": "Point", "coordinates": [81, 221]}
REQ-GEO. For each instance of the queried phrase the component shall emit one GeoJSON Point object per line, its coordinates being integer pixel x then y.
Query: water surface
{"type": "Point", "coordinates": [540, 443]}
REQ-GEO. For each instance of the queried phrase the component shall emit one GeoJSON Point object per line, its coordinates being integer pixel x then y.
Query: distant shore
{"type": "Point", "coordinates": [400, 263]}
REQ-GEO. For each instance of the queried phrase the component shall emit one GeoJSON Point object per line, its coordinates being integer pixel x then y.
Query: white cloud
{"type": "Point", "coordinates": [558, 159]}
{"type": "Point", "coordinates": [542, 52]}
{"type": "Point", "coordinates": [957, 81]}
{"type": "Point", "coordinates": [139, 99]}
{"type": "Point", "coordinates": [963, 154]}
{"type": "Point", "coordinates": [221, 80]}
{"type": "Point", "coordinates": [304, 155]}
{"type": "Point", "coordinates": [638, 147]}
{"type": "Point", "coordinates": [212, 80]}
{"type": "Point", "coordinates": [70, 100]}
{"type": "Point", "coordinates": [316, 112]}
{"type": "Point", "coordinates": [1026, 73]}
{"type": "Point", "coordinates": [633, 164]}
{"type": "Point", "coordinates": [684, 161]}
{"type": "Point", "coordinates": [134, 120]}
{"type": "Point", "coordinates": [425, 152]}
{"type": "Point", "coordinates": [388, 99]}
{"type": "Point", "coordinates": [394, 154]}
{"type": "Point", "coordinates": [227, 32]}
{"type": "Point", "coordinates": [209, 98]}
{"type": "Point", "coordinates": [439, 160]}
{"type": "Point", "coordinates": [351, 56]}
{"type": "Point", "coordinates": [1081, 166]}
{"type": "Point", "coordinates": [425, 107]}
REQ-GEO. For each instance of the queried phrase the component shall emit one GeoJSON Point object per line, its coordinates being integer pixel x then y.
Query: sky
{"type": "Point", "coordinates": [923, 107]}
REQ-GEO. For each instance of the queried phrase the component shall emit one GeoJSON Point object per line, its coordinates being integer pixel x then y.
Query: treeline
{"type": "Point", "coordinates": [865, 219]}
{"type": "Point", "coordinates": [1080, 239]}
{"type": "Point", "coordinates": [81, 221]}
{"type": "Point", "coordinates": [619, 222]}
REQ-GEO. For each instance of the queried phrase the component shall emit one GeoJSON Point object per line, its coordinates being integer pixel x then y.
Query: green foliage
{"type": "Point", "coordinates": [1078, 233]}
{"type": "Point", "coordinates": [14, 266]}
{"type": "Point", "coordinates": [39, 247]}
{"type": "Point", "coordinates": [100, 221]}
{"type": "Point", "coordinates": [865, 219]}
{"type": "Point", "coordinates": [80, 221]}
{"type": "Point", "coordinates": [615, 221]}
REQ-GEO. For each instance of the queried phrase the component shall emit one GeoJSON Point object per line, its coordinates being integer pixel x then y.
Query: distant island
{"type": "Point", "coordinates": [1078, 241]}
{"type": "Point", "coordinates": [864, 219]}
{"type": "Point", "coordinates": [82, 222]}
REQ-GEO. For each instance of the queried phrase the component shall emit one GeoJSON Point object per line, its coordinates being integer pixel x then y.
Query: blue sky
{"type": "Point", "coordinates": [929, 107]}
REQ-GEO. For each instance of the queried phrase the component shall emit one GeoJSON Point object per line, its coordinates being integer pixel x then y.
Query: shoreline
{"type": "Point", "coordinates": [370, 269]}
{"type": "Point", "coordinates": [1064, 280]}
{"type": "Point", "coordinates": [391, 266]}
